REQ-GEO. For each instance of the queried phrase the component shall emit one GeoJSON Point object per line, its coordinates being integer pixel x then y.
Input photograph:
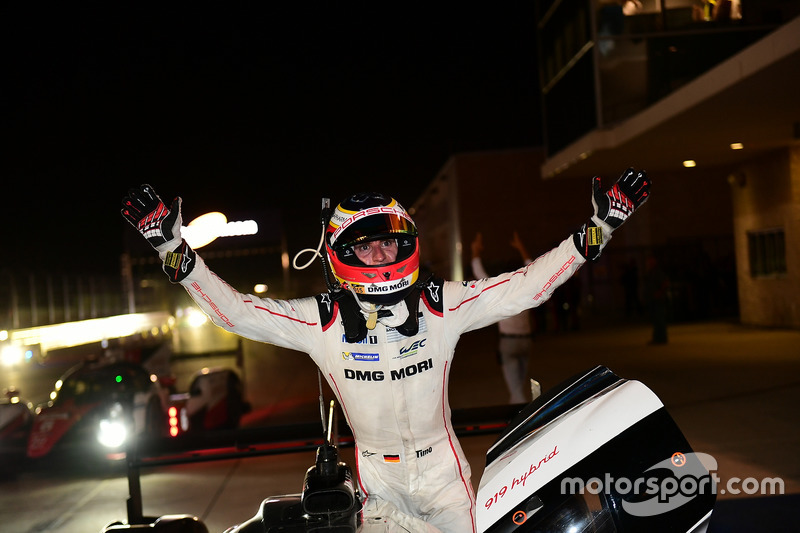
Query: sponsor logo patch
{"type": "Point", "coordinates": [357, 288]}
{"type": "Point", "coordinates": [371, 339]}
{"type": "Point", "coordinates": [360, 356]}
{"type": "Point", "coordinates": [392, 287]}
{"type": "Point", "coordinates": [395, 375]}
{"type": "Point", "coordinates": [413, 349]}
{"type": "Point", "coordinates": [594, 236]}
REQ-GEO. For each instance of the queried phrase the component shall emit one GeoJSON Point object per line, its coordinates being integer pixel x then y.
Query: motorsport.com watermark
{"type": "Point", "coordinates": [670, 484]}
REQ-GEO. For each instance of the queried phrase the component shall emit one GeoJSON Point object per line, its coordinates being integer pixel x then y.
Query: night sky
{"type": "Point", "coordinates": [242, 109]}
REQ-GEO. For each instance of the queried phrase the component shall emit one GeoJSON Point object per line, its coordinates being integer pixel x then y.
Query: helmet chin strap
{"type": "Point", "coordinates": [368, 308]}
{"type": "Point", "coordinates": [396, 314]}
{"type": "Point", "coordinates": [372, 320]}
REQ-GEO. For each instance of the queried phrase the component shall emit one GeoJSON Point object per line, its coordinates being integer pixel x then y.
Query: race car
{"type": "Point", "coordinates": [16, 418]}
{"type": "Point", "coordinates": [95, 406]}
{"type": "Point", "coordinates": [215, 400]}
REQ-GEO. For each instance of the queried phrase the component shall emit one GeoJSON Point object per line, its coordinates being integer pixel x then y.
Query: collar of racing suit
{"type": "Point", "coordinates": [394, 315]}
{"type": "Point", "coordinates": [403, 316]}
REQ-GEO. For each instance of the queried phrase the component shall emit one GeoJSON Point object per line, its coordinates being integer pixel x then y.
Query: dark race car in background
{"type": "Point", "coordinates": [16, 419]}
{"type": "Point", "coordinates": [95, 406]}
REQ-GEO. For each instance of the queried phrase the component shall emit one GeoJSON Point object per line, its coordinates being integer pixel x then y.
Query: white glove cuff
{"type": "Point", "coordinates": [168, 246]}
{"type": "Point", "coordinates": [607, 229]}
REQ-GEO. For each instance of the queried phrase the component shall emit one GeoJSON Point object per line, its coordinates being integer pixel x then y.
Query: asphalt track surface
{"type": "Point", "coordinates": [733, 390]}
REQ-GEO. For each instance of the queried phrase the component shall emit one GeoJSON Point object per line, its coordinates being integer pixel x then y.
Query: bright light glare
{"type": "Point", "coordinates": [173, 421]}
{"type": "Point", "coordinates": [196, 318]}
{"type": "Point", "coordinates": [112, 433]}
{"type": "Point", "coordinates": [237, 228]}
{"type": "Point", "coordinates": [689, 163]}
{"type": "Point", "coordinates": [260, 288]}
{"type": "Point", "coordinates": [3, 335]}
{"type": "Point", "coordinates": [737, 146]}
{"type": "Point", "coordinates": [11, 355]}
{"type": "Point", "coordinates": [206, 228]}
{"type": "Point", "coordinates": [68, 334]}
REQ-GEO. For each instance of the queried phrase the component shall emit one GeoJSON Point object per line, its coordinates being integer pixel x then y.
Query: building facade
{"type": "Point", "coordinates": [499, 192]}
{"type": "Point", "coordinates": [694, 98]}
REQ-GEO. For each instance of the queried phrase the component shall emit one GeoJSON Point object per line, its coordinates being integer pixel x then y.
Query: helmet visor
{"type": "Point", "coordinates": [372, 227]}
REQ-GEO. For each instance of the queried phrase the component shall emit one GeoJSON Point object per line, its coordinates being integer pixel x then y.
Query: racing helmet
{"type": "Point", "coordinates": [366, 217]}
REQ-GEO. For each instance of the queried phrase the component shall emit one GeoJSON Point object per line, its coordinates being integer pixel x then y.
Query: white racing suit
{"type": "Point", "coordinates": [393, 388]}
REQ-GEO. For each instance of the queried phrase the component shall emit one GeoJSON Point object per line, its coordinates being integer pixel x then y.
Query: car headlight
{"type": "Point", "coordinates": [11, 355]}
{"type": "Point", "coordinates": [112, 431]}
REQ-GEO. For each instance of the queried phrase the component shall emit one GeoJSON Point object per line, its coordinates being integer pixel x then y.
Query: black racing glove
{"type": "Point", "coordinates": [611, 209]}
{"type": "Point", "coordinates": [161, 226]}
{"type": "Point", "coordinates": [179, 262]}
{"type": "Point", "coordinates": [615, 205]}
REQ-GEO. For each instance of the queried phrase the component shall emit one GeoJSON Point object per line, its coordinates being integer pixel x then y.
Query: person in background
{"type": "Point", "coordinates": [516, 338]}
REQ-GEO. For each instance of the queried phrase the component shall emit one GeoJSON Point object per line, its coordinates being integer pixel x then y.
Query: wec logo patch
{"type": "Point", "coordinates": [408, 351]}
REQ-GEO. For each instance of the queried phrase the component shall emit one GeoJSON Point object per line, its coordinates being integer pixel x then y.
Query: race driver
{"type": "Point", "coordinates": [384, 336]}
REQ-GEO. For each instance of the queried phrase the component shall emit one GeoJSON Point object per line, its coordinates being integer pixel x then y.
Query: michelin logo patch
{"type": "Point", "coordinates": [359, 356]}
